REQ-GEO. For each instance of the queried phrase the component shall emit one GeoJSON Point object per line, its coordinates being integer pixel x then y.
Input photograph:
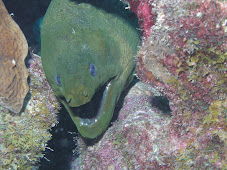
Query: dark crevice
{"type": "Point", "coordinates": [161, 103]}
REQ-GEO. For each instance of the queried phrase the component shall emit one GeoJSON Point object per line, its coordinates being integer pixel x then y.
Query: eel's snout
{"type": "Point", "coordinates": [79, 98]}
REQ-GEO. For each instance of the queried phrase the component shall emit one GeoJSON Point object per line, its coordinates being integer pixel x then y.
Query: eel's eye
{"type": "Point", "coordinates": [57, 80]}
{"type": "Point", "coordinates": [93, 69]}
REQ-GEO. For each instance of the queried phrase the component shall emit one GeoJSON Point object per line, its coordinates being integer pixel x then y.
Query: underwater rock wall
{"type": "Point", "coordinates": [23, 137]}
{"type": "Point", "coordinates": [182, 57]}
{"type": "Point", "coordinates": [185, 59]}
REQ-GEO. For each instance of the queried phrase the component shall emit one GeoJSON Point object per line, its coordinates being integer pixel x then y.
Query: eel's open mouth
{"type": "Point", "coordinates": [90, 112]}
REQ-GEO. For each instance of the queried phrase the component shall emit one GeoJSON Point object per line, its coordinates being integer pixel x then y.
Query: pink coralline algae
{"type": "Point", "coordinates": [182, 57]}
{"type": "Point", "coordinates": [146, 16]}
{"type": "Point", "coordinates": [185, 59]}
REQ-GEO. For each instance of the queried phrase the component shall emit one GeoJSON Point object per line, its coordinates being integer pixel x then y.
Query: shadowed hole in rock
{"type": "Point", "coordinates": [161, 103]}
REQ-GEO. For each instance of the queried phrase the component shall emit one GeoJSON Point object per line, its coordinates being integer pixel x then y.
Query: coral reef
{"type": "Point", "coordinates": [145, 13]}
{"type": "Point", "coordinates": [183, 57]}
{"type": "Point", "coordinates": [23, 137]}
{"type": "Point", "coordinates": [13, 73]}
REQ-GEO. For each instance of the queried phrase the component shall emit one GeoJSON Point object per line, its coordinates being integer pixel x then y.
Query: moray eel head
{"type": "Point", "coordinates": [88, 58]}
{"type": "Point", "coordinates": [74, 88]}
{"type": "Point", "coordinates": [83, 79]}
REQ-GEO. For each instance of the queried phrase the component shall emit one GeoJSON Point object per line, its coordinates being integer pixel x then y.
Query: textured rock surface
{"type": "Point", "coordinates": [23, 137]}
{"type": "Point", "coordinates": [13, 73]}
{"type": "Point", "coordinates": [185, 59]}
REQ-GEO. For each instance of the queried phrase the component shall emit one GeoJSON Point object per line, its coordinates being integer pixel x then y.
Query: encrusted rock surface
{"type": "Point", "coordinates": [23, 137]}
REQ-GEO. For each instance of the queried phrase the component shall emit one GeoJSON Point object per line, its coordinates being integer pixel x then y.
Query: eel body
{"type": "Point", "coordinates": [88, 56]}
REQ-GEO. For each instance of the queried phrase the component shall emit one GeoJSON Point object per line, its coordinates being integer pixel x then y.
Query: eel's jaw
{"type": "Point", "coordinates": [93, 127]}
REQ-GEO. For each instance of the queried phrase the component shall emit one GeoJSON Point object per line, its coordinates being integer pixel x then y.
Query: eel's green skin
{"type": "Point", "coordinates": [75, 35]}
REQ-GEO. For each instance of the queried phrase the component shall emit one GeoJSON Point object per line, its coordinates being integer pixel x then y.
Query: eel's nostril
{"type": "Point", "coordinates": [68, 99]}
{"type": "Point", "coordinates": [85, 93]}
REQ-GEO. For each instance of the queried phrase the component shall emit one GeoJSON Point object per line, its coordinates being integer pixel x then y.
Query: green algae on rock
{"type": "Point", "coordinates": [85, 51]}
{"type": "Point", "coordinates": [23, 137]}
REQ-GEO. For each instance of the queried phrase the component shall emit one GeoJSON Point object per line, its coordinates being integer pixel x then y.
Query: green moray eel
{"type": "Point", "coordinates": [88, 56]}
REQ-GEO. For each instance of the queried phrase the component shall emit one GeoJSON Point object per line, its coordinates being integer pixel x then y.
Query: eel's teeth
{"type": "Point", "coordinates": [103, 99]}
